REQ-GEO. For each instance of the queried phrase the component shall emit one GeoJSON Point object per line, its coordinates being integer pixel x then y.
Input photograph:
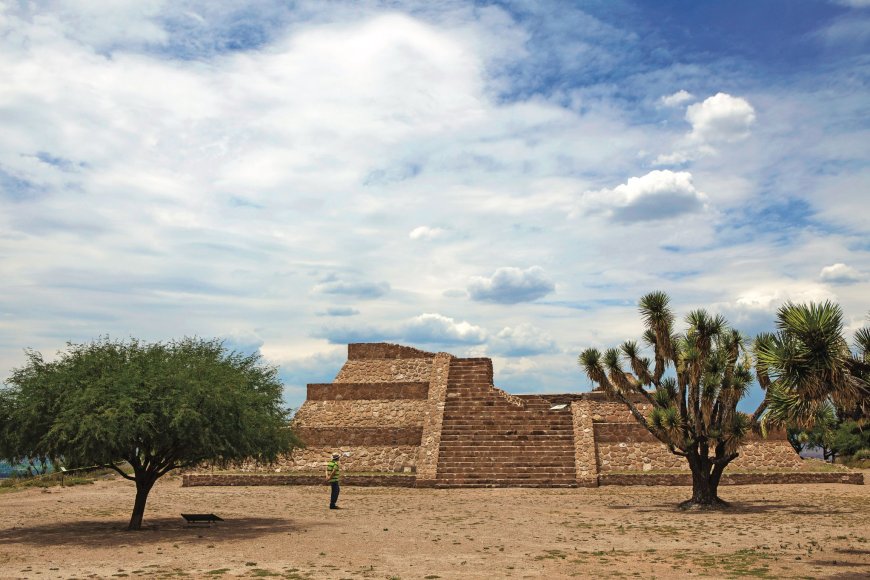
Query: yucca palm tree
{"type": "Point", "coordinates": [693, 412]}
{"type": "Point", "coordinates": [808, 369]}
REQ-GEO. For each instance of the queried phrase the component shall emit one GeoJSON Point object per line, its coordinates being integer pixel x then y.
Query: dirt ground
{"type": "Point", "coordinates": [787, 531]}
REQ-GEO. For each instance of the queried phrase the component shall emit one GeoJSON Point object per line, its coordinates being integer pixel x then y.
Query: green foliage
{"type": "Point", "coordinates": [158, 406]}
{"type": "Point", "coordinates": [807, 364]}
{"type": "Point", "coordinates": [849, 438]}
{"type": "Point", "coordinates": [695, 412]}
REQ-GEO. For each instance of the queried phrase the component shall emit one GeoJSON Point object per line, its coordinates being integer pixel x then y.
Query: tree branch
{"type": "Point", "coordinates": [167, 469]}
{"type": "Point", "coordinates": [119, 470]}
{"type": "Point", "coordinates": [674, 450]}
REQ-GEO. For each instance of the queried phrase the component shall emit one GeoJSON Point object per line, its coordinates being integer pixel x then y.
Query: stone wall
{"type": "Point", "coordinates": [854, 478]}
{"type": "Point", "coordinates": [374, 458]}
{"type": "Point", "coordinates": [363, 413]}
{"type": "Point", "coordinates": [585, 457]}
{"type": "Point", "coordinates": [211, 479]}
{"type": "Point", "coordinates": [341, 437]}
{"type": "Point", "coordinates": [363, 391]}
{"type": "Point", "coordinates": [384, 350]}
{"type": "Point", "coordinates": [385, 370]}
{"type": "Point", "coordinates": [771, 453]}
{"type": "Point", "coordinates": [427, 458]}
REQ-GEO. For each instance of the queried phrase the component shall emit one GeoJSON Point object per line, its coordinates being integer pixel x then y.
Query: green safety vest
{"type": "Point", "coordinates": [330, 466]}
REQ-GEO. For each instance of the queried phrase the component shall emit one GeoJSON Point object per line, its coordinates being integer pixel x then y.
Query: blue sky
{"type": "Point", "coordinates": [498, 179]}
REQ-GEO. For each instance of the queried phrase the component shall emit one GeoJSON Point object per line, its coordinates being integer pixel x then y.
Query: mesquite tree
{"type": "Point", "coordinates": [694, 411]}
{"type": "Point", "coordinates": [156, 406]}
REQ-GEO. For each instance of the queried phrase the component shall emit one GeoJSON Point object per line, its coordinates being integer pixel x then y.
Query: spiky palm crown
{"type": "Point", "coordinates": [706, 360]}
{"type": "Point", "coordinates": [807, 365]}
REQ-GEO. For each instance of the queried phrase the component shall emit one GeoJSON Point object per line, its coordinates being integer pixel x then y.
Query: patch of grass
{"type": "Point", "coordinates": [747, 563]}
{"type": "Point", "coordinates": [261, 573]}
{"type": "Point", "coordinates": [552, 555]}
{"type": "Point", "coordinates": [218, 572]}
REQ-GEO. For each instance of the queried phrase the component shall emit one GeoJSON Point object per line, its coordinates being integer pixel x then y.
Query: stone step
{"type": "Point", "coordinates": [496, 451]}
{"type": "Point", "coordinates": [567, 477]}
{"type": "Point", "coordinates": [510, 441]}
{"type": "Point", "coordinates": [488, 460]}
{"type": "Point", "coordinates": [493, 458]}
{"type": "Point", "coordinates": [501, 427]}
{"type": "Point", "coordinates": [507, 434]}
{"type": "Point", "coordinates": [509, 471]}
{"type": "Point", "coordinates": [530, 418]}
{"type": "Point", "coordinates": [508, 474]}
{"type": "Point", "coordinates": [493, 484]}
{"type": "Point", "coordinates": [502, 430]}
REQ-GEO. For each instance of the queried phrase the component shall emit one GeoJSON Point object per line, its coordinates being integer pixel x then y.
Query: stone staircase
{"type": "Point", "coordinates": [492, 439]}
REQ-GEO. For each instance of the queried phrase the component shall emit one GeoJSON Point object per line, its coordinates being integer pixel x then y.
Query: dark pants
{"type": "Point", "coordinates": [334, 495]}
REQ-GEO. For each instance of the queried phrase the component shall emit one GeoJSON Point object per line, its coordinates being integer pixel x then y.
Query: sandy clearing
{"type": "Point", "coordinates": [772, 531]}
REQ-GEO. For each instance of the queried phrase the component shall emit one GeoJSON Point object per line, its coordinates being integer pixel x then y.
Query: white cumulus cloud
{"type": "Point", "coordinates": [840, 274]}
{"type": "Point", "coordinates": [660, 194]}
{"type": "Point", "coordinates": [511, 286]}
{"type": "Point", "coordinates": [426, 233]}
{"type": "Point", "coordinates": [720, 118]}
{"type": "Point", "coordinates": [439, 329]}
{"type": "Point", "coordinates": [677, 98]}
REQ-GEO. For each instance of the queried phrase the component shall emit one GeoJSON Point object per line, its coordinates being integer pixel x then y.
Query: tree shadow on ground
{"type": "Point", "coordinates": [156, 530]}
{"type": "Point", "coordinates": [744, 507]}
{"type": "Point", "coordinates": [849, 575]}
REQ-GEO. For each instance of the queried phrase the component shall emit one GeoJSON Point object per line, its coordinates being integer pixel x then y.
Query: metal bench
{"type": "Point", "coordinates": [201, 518]}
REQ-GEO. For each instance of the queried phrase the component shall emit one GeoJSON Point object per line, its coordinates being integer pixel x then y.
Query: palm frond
{"type": "Point", "coordinates": [787, 407]}
{"type": "Point", "coordinates": [862, 343]}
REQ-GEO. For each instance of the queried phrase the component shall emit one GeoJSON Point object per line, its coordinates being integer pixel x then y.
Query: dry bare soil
{"type": "Point", "coordinates": [787, 531]}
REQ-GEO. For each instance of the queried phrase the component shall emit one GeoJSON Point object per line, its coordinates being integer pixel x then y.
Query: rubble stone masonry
{"type": "Point", "coordinates": [385, 411]}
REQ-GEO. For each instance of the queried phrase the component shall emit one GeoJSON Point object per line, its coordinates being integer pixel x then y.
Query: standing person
{"type": "Point", "coordinates": [332, 477]}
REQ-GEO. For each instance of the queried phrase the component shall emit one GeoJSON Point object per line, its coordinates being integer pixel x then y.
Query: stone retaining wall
{"type": "Point", "coordinates": [362, 391]}
{"type": "Point", "coordinates": [388, 459]}
{"type": "Point", "coordinates": [341, 437]}
{"type": "Point", "coordinates": [427, 457]}
{"type": "Point", "coordinates": [366, 413]}
{"type": "Point", "coordinates": [385, 371]}
{"type": "Point", "coordinates": [730, 478]}
{"type": "Point", "coordinates": [585, 456]}
{"type": "Point", "coordinates": [383, 350]}
{"type": "Point", "coordinates": [208, 479]}
{"type": "Point", "coordinates": [637, 456]}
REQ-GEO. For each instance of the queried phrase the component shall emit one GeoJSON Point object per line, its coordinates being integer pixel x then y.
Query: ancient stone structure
{"type": "Point", "coordinates": [398, 409]}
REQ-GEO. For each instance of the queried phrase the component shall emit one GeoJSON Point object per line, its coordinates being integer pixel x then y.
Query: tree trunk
{"type": "Point", "coordinates": [144, 483]}
{"type": "Point", "coordinates": [705, 484]}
